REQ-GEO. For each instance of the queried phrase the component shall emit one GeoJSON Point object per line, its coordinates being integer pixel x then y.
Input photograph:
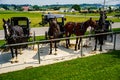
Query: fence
{"type": "Point", "coordinates": [81, 51]}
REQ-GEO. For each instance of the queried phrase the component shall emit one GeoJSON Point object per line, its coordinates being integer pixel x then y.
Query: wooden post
{"type": "Point", "coordinates": [38, 54]}
{"type": "Point", "coordinates": [33, 39]}
{"type": "Point", "coordinates": [114, 42]}
{"type": "Point", "coordinates": [81, 47]}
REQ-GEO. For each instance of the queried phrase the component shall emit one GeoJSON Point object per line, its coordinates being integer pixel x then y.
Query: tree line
{"type": "Point", "coordinates": [76, 7]}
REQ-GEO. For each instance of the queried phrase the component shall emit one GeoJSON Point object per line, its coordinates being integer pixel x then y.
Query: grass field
{"type": "Point", "coordinates": [98, 67]}
{"type": "Point", "coordinates": [35, 17]}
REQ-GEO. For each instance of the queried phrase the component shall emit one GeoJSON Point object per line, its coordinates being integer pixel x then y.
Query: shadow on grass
{"type": "Point", "coordinates": [114, 53]}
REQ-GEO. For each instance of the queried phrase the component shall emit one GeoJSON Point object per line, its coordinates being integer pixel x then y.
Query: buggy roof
{"type": "Point", "coordinates": [54, 16]}
{"type": "Point", "coordinates": [19, 18]}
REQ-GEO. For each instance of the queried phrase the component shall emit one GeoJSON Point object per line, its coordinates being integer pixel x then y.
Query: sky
{"type": "Point", "coordinates": [49, 2]}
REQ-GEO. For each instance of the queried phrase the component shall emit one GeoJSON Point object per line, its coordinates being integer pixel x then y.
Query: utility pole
{"type": "Point", "coordinates": [104, 5]}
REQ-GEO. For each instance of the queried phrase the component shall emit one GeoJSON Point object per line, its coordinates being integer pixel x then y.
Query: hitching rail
{"type": "Point", "coordinates": [47, 41]}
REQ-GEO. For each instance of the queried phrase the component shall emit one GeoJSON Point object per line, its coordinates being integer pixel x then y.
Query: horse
{"type": "Point", "coordinates": [101, 28]}
{"type": "Point", "coordinates": [78, 29]}
{"type": "Point", "coordinates": [54, 32]}
{"type": "Point", "coordinates": [13, 34]}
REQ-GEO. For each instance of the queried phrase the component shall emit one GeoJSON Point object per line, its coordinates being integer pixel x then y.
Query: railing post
{"type": "Point", "coordinates": [81, 47]}
{"type": "Point", "coordinates": [38, 54]}
{"type": "Point", "coordinates": [33, 38]}
{"type": "Point", "coordinates": [114, 42]}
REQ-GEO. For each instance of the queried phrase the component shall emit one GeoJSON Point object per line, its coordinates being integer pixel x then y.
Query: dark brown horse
{"type": "Point", "coordinates": [78, 29]}
{"type": "Point", "coordinates": [101, 28]}
{"type": "Point", "coordinates": [13, 34]}
{"type": "Point", "coordinates": [54, 33]}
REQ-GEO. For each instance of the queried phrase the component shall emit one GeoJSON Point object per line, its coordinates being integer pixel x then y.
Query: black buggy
{"type": "Point", "coordinates": [60, 20]}
{"type": "Point", "coordinates": [23, 22]}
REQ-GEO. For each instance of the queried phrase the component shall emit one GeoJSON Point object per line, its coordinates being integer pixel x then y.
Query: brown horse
{"type": "Point", "coordinates": [13, 34]}
{"type": "Point", "coordinates": [78, 29]}
{"type": "Point", "coordinates": [54, 33]}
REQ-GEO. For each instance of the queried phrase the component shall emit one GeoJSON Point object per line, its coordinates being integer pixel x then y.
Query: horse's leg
{"type": "Point", "coordinates": [100, 47]}
{"type": "Point", "coordinates": [101, 42]}
{"type": "Point", "coordinates": [55, 47]}
{"type": "Point", "coordinates": [111, 37]}
{"type": "Point", "coordinates": [50, 47]}
{"type": "Point", "coordinates": [12, 60]}
{"type": "Point", "coordinates": [16, 54]}
{"type": "Point", "coordinates": [20, 51]}
{"type": "Point", "coordinates": [79, 43]}
{"type": "Point", "coordinates": [69, 40]}
{"type": "Point", "coordinates": [95, 43]}
{"type": "Point", "coordinates": [67, 43]}
{"type": "Point", "coordinates": [66, 40]}
{"type": "Point", "coordinates": [76, 44]}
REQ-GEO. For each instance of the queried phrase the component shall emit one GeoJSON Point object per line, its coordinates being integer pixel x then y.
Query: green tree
{"type": "Point", "coordinates": [76, 7]}
{"type": "Point", "coordinates": [110, 9]}
{"type": "Point", "coordinates": [56, 8]}
{"type": "Point", "coordinates": [89, 10]}
{"type": "Point", "coordinates": [5, 7]}
{"type": "Point", "coordinates": [36, 7]}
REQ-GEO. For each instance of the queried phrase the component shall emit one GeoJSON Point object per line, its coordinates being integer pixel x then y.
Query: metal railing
{"type": "Point", "coordinates": [48, 41]}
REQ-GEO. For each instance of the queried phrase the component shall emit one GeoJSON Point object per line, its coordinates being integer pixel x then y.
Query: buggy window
{"type": "Point", "coordinates": [22, 22]}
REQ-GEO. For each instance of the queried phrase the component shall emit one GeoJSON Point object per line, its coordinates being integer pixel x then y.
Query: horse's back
{"type": "Point", "coordinates": [69, 26]}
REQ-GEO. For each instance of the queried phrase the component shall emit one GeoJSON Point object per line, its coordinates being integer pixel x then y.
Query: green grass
{"type": "Point", "coordinates": [35, 17]}
{"type": "Point", "coordinates": [98, 67]}
{"type": "Point", "coordinates": [116, 29]}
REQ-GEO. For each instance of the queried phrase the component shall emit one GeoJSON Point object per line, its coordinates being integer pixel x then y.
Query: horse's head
{"type": "Point", "coordinates": [92, 23]}
{"type": "Point", "coordinates": [103, 14]}
{"type": "Point", "coordinates": [6, 26]}
{"type": "Point", "coordinates": [54, 28]}
{"type": "Point", "coordinates": [53, 23]}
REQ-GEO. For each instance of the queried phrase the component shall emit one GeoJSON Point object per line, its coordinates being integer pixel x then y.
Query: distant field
{"type": "Point", "coordinates": [35, 17]}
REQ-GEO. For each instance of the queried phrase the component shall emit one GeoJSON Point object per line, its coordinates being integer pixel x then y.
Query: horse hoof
{"type": "Point", "coordinates": [16, 61]}
{"type": "Point", "coordinates": [12, 62]}
{"type": "Point", "coordinates": [94, 49]}
{"type": "Point", "coordinates": [50, 53]}
{"type": "Point", "coordinates": [75, 49]}
{"type": "Point", "coordinates": [20, 53]}
{"type": "Point", "coordinates": [55, 54]}
{"type": "Point", "coordinates": [67, 47]}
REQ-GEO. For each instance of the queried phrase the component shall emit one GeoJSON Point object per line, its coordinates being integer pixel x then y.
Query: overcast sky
{"type": "Point", "coordinates": [49, 2]}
